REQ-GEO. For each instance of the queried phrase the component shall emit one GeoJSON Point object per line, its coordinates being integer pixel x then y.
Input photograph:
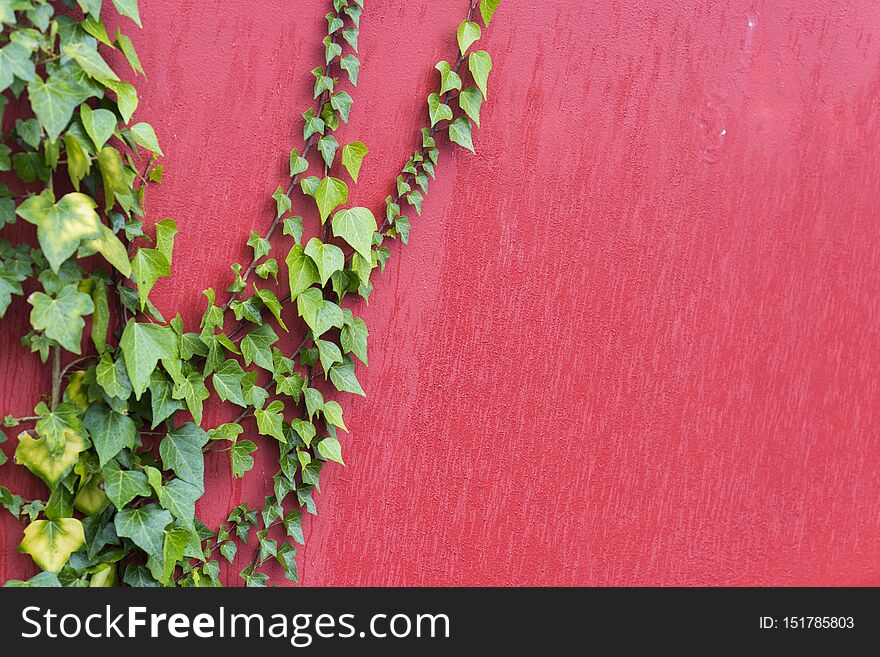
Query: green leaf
{"type": "Point", "coordinates": [480, 64]}
{"type": "Point", "coordinates": [327, 257]}
{"type": "Point", "coordinates": [329, 354]}
{"type": "Point", "coordinates": [61, 317]}
{"type": "Point", "coordinates": [126, 98]}
{"type": "Point", "coordinates": [256, 347]}
{"type": "Point", "coordinates": [487, 10]}
{"type": "Point", "coordinates": [330, 449]}
{"type": "Point", "coordinates": [313, 125]}
{"type": "Point", "coordinates": [286, 556]}
{"type": "Point", "coordinates": [90, 61]}
{"type": "Point", "coordinates": [181, 451]}
{"type": "Point", "coordinates": [100, 124]}
{"type": "Point", "coordinates": [128, 8]}
{"type": "Point", "coordinates": [163, 405]}
{"type": "Point", "coordinates": [449, 79]}
{"type": "Point", "coordinates": [351, 65]}
{"type": "Point", "coordinates": [270, 421]}
{"type": "Point", "coordinates": [58, 426]}
{"type": "Point", "coordinates": [110, 431]}
{"type": "Point", "coordinates": [122, 486]}
{"type": "Point", "coordinates": [54, 100]}
{"type": "Point", "coordinates": [51, 542]}
{"type": "Point", "coordinates": [143, 345]}
{"type": "Point", "coordinates": [333, 413]}
{"type": "Point", "coordinates": [268, 268]}
{"type": "Point", "coordinates": [192, 389]}
{"type": "Point", "coordinates": [343, 377]}
{"type": "Point", "coordinates": [145, 136]}
{"type": "Point", "coordinates": [36, 456]}
{"type": "Point", "coordinates": [470, 100]}
{"type": "Point", "coordinates": [437, 110]}
{"type": "Point", "coordinates": [352, 158]}
{"type": "Point", "coordinates": [332, 50]}
{"type": "Point", "coordinates": [293, 526]}
{"type": "Point", "coordinates": [460, 133]}
{"type": "Point", "coordinates": [178, 496]}
{"type": "Point", "coordinates": [260, 245]}
{"type": "Point", "coordinates": [309, 185]}
{"type": "Point", "coordinates": [15, 62]}
{"type": "Point", "coordinates": [112, 377]}
{"type": "Point", "coordinates": [350, 34]}
{"type": "Point", "coordinates": [61, 226]}
{"type": "Point", "coordinates": [145, 526]}
{"type": "Point", "coordinates": [127, 48]}
{"type": "Point", "coordinates": [314, 403]}
{"type": "Point", "coordinates": [342, 103]}
{"type": "Point", "coordinates": [466, 34]}
{"type": "Point", "coordinates": [320, 315]}
{"type": "Point", "coordinates": [242, 461]}
{"type": "Point", "coordinates": [110, 247]}
{"type": "Point", "coordinates": [113, 176]}
{"type": "Point", "coordinates": [327, 146]}
{"type": "Point", "coordinates": [272, 304]}
{"type": "Point", "coordinates": [282, 201]}
{"type": "Point", "coordinates": [356, 226]}
{"type": "Point", "coordinates": [227, 382]}
{"type": "Point", "coordinates": [302, 271]}
{"type": "Point", "coordinates": [330, 193]}
{"type": "Point", "coordinates": [353, 338]}
{"type": "Point", "coordinates": [297, 164]}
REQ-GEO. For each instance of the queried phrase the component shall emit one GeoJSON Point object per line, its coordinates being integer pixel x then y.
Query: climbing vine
{"type": "Point", "coordinates": [118, 440]}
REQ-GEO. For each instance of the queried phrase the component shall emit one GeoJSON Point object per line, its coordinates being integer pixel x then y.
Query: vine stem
{"type": "Point", "coordinates": [74, 363]}
{"type": "Point", "coordinates": [56, 376]}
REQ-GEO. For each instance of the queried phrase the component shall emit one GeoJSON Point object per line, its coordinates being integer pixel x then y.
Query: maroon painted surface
{"type": "Point", "coordinates": [633, 341]}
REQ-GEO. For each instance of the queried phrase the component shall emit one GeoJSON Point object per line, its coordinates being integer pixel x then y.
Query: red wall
{"type": "Point", "coordinates": [633, 341]}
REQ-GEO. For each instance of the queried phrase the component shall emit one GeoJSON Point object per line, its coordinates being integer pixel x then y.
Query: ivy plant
{"type": "Point", "coordinates": [119, 439]}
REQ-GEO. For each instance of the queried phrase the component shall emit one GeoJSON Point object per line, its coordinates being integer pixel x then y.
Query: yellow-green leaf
{"type": "Point", "coordinates": [51, 542]}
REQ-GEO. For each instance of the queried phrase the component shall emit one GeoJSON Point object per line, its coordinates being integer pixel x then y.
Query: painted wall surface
{"type": "Point", "coordinates": [633, 341]}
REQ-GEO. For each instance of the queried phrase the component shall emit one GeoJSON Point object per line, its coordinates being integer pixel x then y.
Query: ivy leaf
{"type": "Point", "coordinates": [112, 377]}
{"type": "Point", "coordinates": [256, 346]}
{"type": "Point", "coordinates": [487, 10]}
{"type": "Point", "coordinates": [61, 226]}
{"type": "Point", "coordinates": [36, 456]}
{"type": "Point", "coordinates": [145, 136]}
{"type": "Point", "coordinates": [480, 64]}
{"type": "Point", "coordinates": [228, 549]}
{"type": "Point", "coordinates": [268, 268]}
{"type": "Point", "coordinates": [330, 193]}
{"type": "Point", "coordinates": [306, 430]}
{"type": "Point", "coordinates": [192, 389]}
{"type": "Point", "coordinates": [143, 345]}
{"type": "Point", "coordinates": [149, 265]}
{"type": "Point", "coordinates": [343, 377]}
{"type": "Point", "coordinates": [51, 542]}
{"type": "Point", "coordinates": [259, 244]}
{"type": "Point", "coordinates": [54, 100]}
{"type": "Point", "coordinates": [437, 110]}
{"type": "Point", "coordinates": [330, 449]}
{"type": "Point", "coordinates": [297, 164]}
{"type": "Point", "coordinates": [126, 98]}
{"type": "Point", "coordinates": [460, 133]}
{"type": "Point", "coordinates": [449, 79]}
{"type": "Point", "coordinates": [122, 486]}
{"type": "Point", "coordinates": [282, 201]}
{"type": "Point", "coordinates": [108, 245]}
{"type": "Point", "coordinates": [466, 34]}
{"type": "Point", "coordinates": [270, 421]}
{"type": "Point", "coordinates": [351, 65]}
{"type": "Point", "coordinates": [356, 226]}
{"type": "Point", "coordinates": [162, 403]}
{"type": "Point", "coordinates": [127, 48]}
{"type": "Point", "coordinates": [313, 125]}
{"type": "Point", "coordinates": [139, 576]}
{"type": "Point", "coordinates": [110, 431]}
{"type": "Point", "coordinates": [320, 315]}
{"type": "Point", "coordinates": [470, 101]}
{"type": "Point", "coordinates": [242, 461]}
{"type": "Point", "coordinates": [286, 556]}
{"type": "Point", "coordinates": [293, 526]}
{"type": "Point", "coordinates": [15, 62]}
{"type": "Point", "coordinates": [328, 258]}
{"type": "Point", "coordinates": [145, 526]}
{"type": "Point", "coordinates": [61, 317]}
{"type": "Point", "coordinates": [227, 382]}
{"type": "Point", "coordinates": [327, 146]}
{"type": "Point", "coordinates": [352, 158]}
{"type": "Point", "coordinates": [333, 413]}
{"type": "Point", "coordinates": [128, 8]}
{"type": "Point", "coordinates": [90, 61]}
{"type": "Point", "coordinates": [302, 271]}
{"type": "Point", "coordinates": [181, 451]}
{"type": "Point", "coordinates": [329, 354]}
{"type": "Point", "coordinates": [342, 103]}
{"type": "Point", "coordinates": [353, 338]}
{"type": "Point", "coordinates": [272, 304]}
